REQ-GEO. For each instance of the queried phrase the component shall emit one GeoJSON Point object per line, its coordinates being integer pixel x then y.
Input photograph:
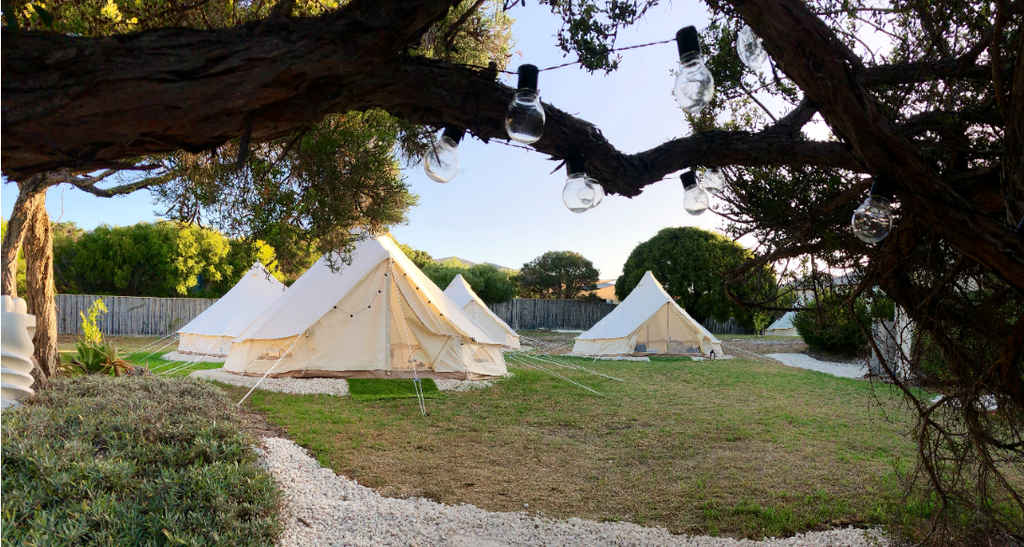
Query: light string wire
{"type": "Point", "coordinates": [563, 65]}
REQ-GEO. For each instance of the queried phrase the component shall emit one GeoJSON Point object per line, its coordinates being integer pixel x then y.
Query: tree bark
{"type": "Point", "coordinates": [17, 226]}
{"type": "Point", "coordinates": [39, 294]}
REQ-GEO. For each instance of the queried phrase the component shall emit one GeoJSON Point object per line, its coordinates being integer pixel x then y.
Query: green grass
{"type": "Point", "coordinates": [97, 460]}
{"type": "Point", "coordinates": [161, 367]}
{"type": "Point", "coordinates": [371, 389]}
{"type": "Point", "coordinates": [732, 447]}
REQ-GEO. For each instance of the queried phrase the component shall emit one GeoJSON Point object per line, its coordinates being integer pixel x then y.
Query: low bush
{"type": "Point", "coordinates": [132, 461]}
{"type": "Point", "coordinates": [827, 325]}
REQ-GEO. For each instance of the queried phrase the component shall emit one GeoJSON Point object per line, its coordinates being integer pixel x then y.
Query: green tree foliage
{"type": "Point", "coordinates": [557, 274]}
{"type": "Point", "coordinates": [691, 264]}
{"type": "Point", "coordinates": [418, 257]}
{"type": "Point", "coordinates": [160, 259]}
{"type": "Point", "coordinates": [827, 324]}
{"type": "Point", "coordinates": [490, 283]}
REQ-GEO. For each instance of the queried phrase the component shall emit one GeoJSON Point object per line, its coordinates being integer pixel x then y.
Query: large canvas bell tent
{"type": "Point", "coordinates": [376, 317]}
{"type": "Point", "coordinates": [213, 330]}
{"type": "Point", "coordinates": [648, 320]}
{"type": "Point", "coordinates": [464, 297]}
{"type": "Point", "coordinates": [783, 326]}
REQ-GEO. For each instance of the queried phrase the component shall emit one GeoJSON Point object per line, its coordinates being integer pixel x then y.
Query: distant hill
{"type": "Point", "coordinates": [469, 263]}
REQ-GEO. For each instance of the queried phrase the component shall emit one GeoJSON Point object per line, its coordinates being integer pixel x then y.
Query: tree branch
{"type": "Point", "coordinates": [820, 64]}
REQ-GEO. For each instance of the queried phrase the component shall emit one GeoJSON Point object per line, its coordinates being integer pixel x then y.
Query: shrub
{"type": "Point", "coordinates": [132, 461]}
{"type": "Point", "coordinates": [827, 325]}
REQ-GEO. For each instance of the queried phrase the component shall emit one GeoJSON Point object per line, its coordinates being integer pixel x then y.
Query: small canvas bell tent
{"type": "Point", "coordinates": [462, 294]}
{"type": "Point", "coordinates": [783, 326]}
{"type": "Point", "coordinates": [213, 330]}
{"type": "Point", "coordinates": [648, 320]}
{"type": "Point", "coordinates": [377, 317]}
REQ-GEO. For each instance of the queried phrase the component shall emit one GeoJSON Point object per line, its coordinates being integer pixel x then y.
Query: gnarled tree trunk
{"type": "Point", "coordinates": [15, 236]}
{"type": "Point", "coordinates": [39, 277]}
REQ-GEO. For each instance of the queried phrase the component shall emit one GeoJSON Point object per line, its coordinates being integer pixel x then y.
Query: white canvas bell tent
{"type": "Point", "coordinates": [648, 320]}
{"type": "Point", "coordinates": [783, 326]}
{"type": "Point", "coordinates": [213, 330]}
{"type": "Point", "coordinates": [376, 317]}
{"type": "Point", "coordinates": [463, 295]}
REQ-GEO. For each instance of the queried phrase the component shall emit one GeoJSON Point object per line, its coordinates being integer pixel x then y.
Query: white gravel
{"type": "Point", "coordinates": [183, 357]}
{"type": "Point", "coordinates": [328, 386]}
{"type": "Point", "coordinates": [799, 360]}
{"type": "Point", "coordinates": [321, 508]}
{"type": "Point", "coordinates": [306, 386]}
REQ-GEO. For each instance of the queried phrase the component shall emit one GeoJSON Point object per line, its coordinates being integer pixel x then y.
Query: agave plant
{"type": "Point", "coordinates": [99, 358]}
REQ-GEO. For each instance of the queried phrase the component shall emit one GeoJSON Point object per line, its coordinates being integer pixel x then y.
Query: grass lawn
{"type": "Point", "coordinates": [731, 447]}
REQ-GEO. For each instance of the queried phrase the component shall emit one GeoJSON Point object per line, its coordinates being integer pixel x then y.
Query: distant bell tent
{"type": "Point", "coordinates": [213, 330]}
{"type": "Point", "coordinates": [783, 326]}
{"type": "Point", "coordinates": [377, 317]}
{"type": "Point", "coordinates": [462, 294]}
{"type": "Point", "coordinates": [647, 321]}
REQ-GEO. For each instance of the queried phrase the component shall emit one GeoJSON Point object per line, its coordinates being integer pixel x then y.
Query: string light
{"type": "Point", "coordinates": [695, 199]}
{"type": "Point", "coordinates": [872, 221]}
{"type": "Point", "coordinates": [713, 181]}
{"type": "Point", "coordinates": [579, 192]}
{"type": "Point", "coordinates": [442, 160]}
{"type": "Point", "coordinates": [750, 48]}
{"type": "Point", "coordinates": [524, 120]}
{"type": "Point", "coordinates": [695, 86]}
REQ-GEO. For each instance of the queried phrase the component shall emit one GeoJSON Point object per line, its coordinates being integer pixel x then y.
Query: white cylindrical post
{"type": "Point", "coordinates": [16, 352]}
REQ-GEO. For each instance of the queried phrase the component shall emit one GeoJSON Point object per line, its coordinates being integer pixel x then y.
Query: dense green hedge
{"type": "Point", "coordinates": [827, 325]}
{"type": "Point", "coordinates": [96, 460]}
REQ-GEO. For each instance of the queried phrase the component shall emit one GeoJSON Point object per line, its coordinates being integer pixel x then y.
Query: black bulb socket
{"type": "Point", "coordinates": [575, 164]}
{"type": "Point", "coordinates": [454, 133]}
{"type": "Point", "coordinates": [688, 41]}
{"type": "Point", "coordinates": [528, 77]}
{"type": "Point", "coordinates": [883, 187]}
{"type": "Point", "coordinates": [689, 179]}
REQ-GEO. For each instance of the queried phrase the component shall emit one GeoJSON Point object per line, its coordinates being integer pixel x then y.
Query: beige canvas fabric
{"type": "Point", "coordinates": [463, 295]}
{"type": "Point", "coordinates": [378, 316]}
{"type": "Point", "coordinates": [212, 331]}
{"type": "Point", "coordinates": [648, 317]}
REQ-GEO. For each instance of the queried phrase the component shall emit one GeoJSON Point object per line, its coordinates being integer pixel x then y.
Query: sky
{"type": "Point", "coordinates": [505, 204]}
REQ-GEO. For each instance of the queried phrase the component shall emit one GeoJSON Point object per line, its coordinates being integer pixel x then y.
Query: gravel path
{"type": "Point", "coordinates": [800, 360]}
{"type": "Point", "coordinates": [329, 386]}
{"type": "Point", "coordinates": [175, 356]}
{"type": "Point", "coordinates": [321, 508]}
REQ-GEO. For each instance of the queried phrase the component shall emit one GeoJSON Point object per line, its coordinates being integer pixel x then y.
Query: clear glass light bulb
{"type": "Point", "coordinates": [695, 86]}
{"type": "Point", "coordinates": [524, 119]}
{"type": "Point", "coordinates": [750, 48]}
{"type": "Point", "coordinates": [695, 200]}
{"type": "Point", "coordinates": [579, 193]}
{"type": "Point", "coordinates": [713, 181]}
{"type": "Point", "coordinates": [442, 160]}
{"type": "Point", "coordinates": [598, 194]}
{"type": "Point", "coordinates": [872, 221]}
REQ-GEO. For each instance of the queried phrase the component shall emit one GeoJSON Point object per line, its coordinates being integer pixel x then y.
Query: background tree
{"type": "Point", "coordinates": [557, 274]}
{"type": "Point", "coordinates": [418, 257]}
{"type": "Point", "coordinates": [490, 283]}
{"type": "Point", "coordinates": [826, 325]}
{"type": "Point", "coordinates": [691, 264]}
{"type": "Point", "coordinates": [940, 110]}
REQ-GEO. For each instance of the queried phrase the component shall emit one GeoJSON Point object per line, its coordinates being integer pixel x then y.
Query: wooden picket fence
{"type": "Point", "coordinates": [144, 316]}
{"type": "Point", "coordinates": [541, 313]}
{"type": "Point", "coordinates": [130, 315]}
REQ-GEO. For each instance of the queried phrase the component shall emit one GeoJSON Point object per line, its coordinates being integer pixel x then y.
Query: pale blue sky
{"type": "Point", "coordinates": [505, 205]}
